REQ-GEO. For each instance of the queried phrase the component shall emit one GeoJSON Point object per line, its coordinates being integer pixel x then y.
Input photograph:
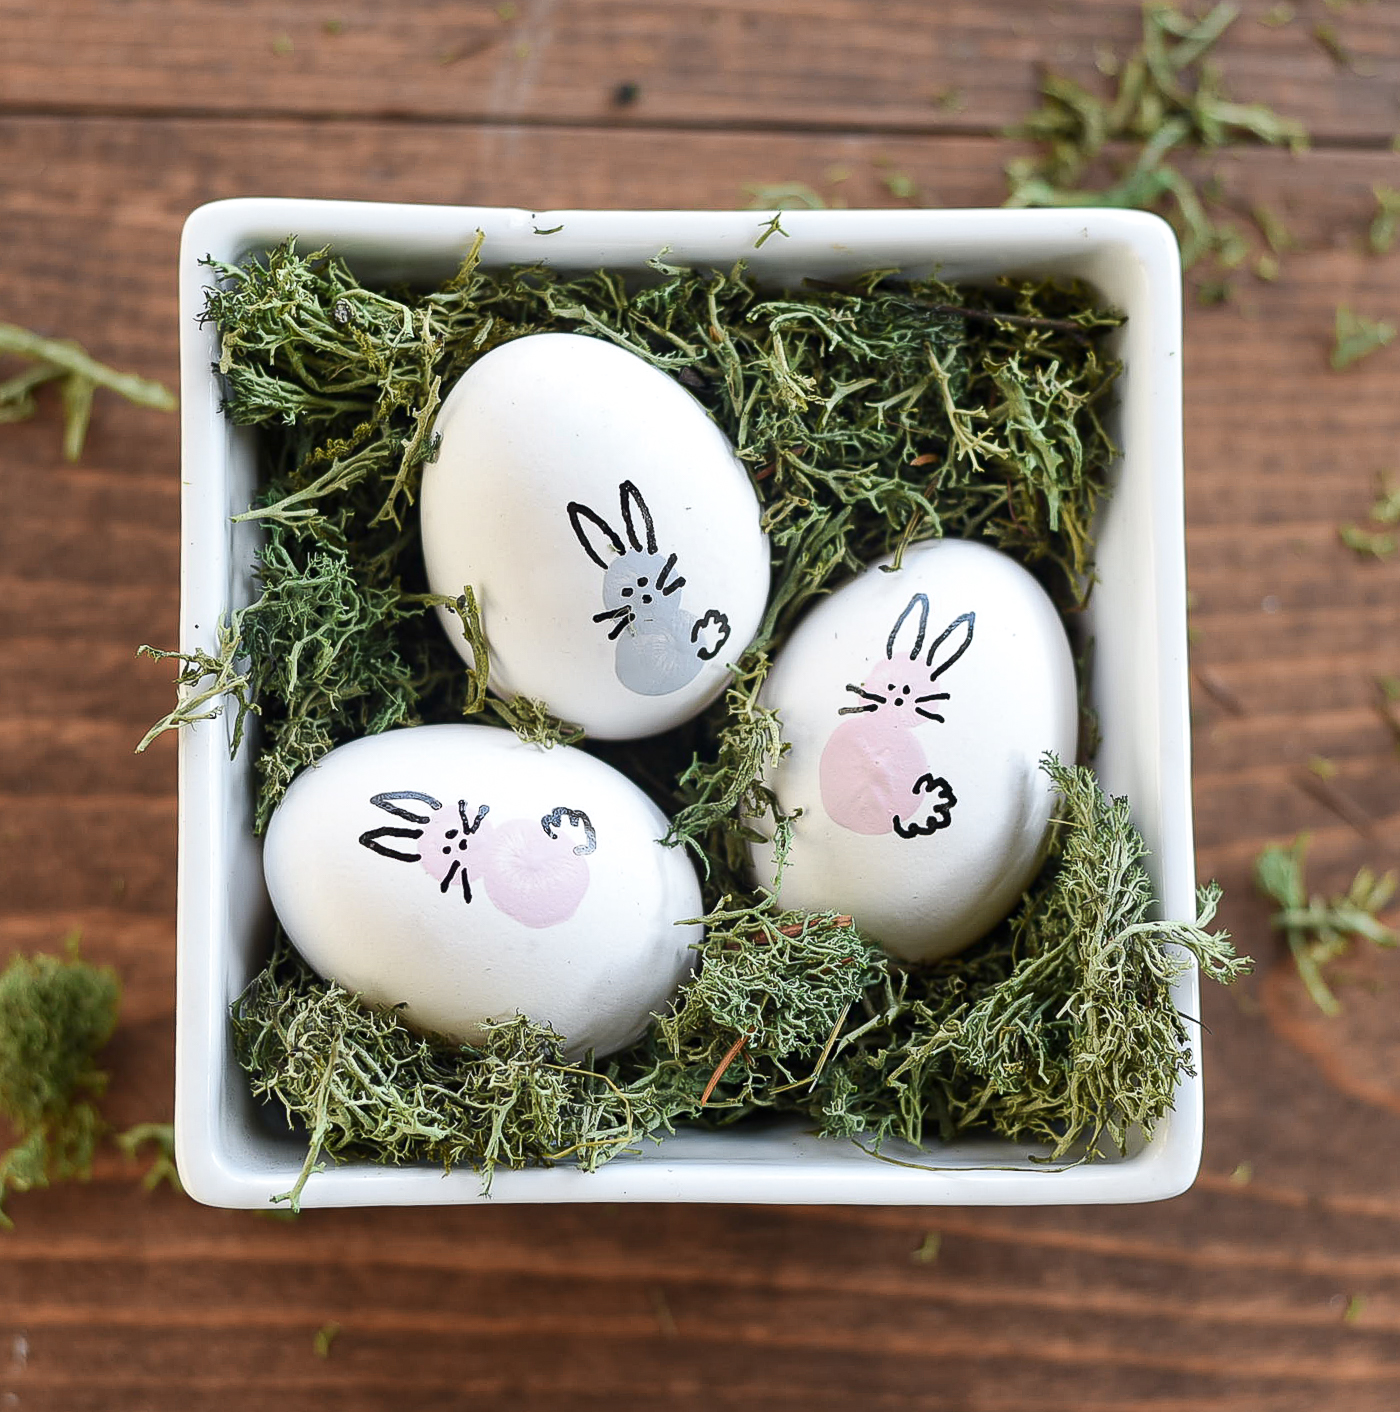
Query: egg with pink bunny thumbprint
{"type": "Point", "coordinates": [918, 703]}
{"type": "Point", "coordinates": [466, 876]}
{"type": "Point", "coordinates": [611, 536]}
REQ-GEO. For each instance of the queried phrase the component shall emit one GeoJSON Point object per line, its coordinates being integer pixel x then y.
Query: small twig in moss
{"type": "Point", "coordinates": [730, 1055]}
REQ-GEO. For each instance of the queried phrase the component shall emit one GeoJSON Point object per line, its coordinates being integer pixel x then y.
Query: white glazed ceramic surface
{"type": "Point", "coordinates": [917, 703]}
{"type": "Point", "coordinates": [1137, 619]}
{"type": "Point", "coordinates": [610, 534]}
{"type": "Point", "coordinates": [470, 877]}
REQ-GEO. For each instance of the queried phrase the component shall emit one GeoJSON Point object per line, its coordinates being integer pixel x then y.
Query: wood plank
{"type": "Point", "coordinates": [834, 65]}
{"type": "Point", "coordinates": [1235, 1296]}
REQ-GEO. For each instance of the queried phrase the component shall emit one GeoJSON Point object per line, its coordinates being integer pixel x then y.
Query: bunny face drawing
{"type": "Point", "coordinates": [660, 646]}
{"type": "Point", "coordinates": [874, 775]}
{"type": "Point", "coordinates": [534, 870]}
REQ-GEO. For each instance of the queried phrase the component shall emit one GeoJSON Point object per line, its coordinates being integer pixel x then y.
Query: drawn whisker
{"type": "Point", "coordinates": [451, 873]}
{"type": "Point", "coordinates": [928, 715]}
{"type": "Point", "coordinates": [621, 626]}
{"type": "Point", "coordinates": [867, 695]}
{"type": "Point", "coordinates": [935, 696]}
{"type": "Point", "coordinates": [666, 584]}
{"type": "Point", "coordinates": [855, 710]}
{"type": "Point", "coordinates": [611, 613]}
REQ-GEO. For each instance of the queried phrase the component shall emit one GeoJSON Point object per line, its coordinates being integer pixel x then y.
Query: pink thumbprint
{"type": "Point", "coordinates": [532, 877]}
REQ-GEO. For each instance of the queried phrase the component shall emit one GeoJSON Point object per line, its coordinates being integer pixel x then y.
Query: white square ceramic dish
{"type": "Point", "coordinates": [227, 1156]}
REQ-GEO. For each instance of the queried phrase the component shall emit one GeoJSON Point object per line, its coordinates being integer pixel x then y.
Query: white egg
{"type": "Point", "coordinates": [611, 535]}
{"type": "Point", "coordinates": [918, 704]}
{"type": "Point", "coordinates": [468, 876]}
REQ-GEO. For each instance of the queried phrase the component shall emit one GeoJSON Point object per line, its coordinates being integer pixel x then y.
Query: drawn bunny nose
{"type": "Point", "coordinates": [646, 598]}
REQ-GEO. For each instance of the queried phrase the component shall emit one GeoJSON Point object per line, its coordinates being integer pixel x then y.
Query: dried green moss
{"type": "Point", "coordinates": [872, 415]}
{"type": "Point", "coordinates": [1058, 1029]}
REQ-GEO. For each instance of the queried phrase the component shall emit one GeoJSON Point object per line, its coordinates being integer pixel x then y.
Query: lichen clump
{"type": "Point", "coordinates": [56, 1013]}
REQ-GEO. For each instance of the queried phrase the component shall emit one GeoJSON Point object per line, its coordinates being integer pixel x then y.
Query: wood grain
{"type": "Point", "coordinates": [1273, 1286]}
{"type": "Point", "coordinates": [830, 65]}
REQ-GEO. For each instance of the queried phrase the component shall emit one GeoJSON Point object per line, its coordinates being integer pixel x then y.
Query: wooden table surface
{"type": "Point", "coordinates": [1274, 1284]}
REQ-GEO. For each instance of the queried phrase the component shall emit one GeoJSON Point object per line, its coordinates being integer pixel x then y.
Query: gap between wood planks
{"type": "Point", "coordinates": [892, 1342]}
{"type": "Point", "coordinates": [593, 122]}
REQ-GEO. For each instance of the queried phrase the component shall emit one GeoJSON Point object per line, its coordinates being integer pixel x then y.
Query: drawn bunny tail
{"type": "Point", "coordinates": [713, 628]}
{"type": "Point", "coordinates": [937, 811]}
{"type": "Point", "coordinates": [864, 777]}
{"type": "Point", "coordinates": [538, 880]}
{"type": "Point", "coordinates": [658, 662]}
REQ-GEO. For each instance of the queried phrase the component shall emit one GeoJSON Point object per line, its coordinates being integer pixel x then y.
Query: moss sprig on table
{"type": "Point", "coordinates": [1319, 929]}
{"type": "Point", "coordinates": [1170, 101]}
{"type": "Point", "coordinates": [78, 375]}
{"type": "Point", "coordinates": [56, 1014]}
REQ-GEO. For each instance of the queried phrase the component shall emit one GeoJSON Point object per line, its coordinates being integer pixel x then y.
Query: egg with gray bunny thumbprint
{"type": "Point", "coordinates": [611, 536]}
{"type": "Point", "coordinates": [918, 703]}
{"type": "Point", "coordinates": [465, 876]}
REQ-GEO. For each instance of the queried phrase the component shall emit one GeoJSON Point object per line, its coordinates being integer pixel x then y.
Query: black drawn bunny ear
{"type": "Point", "coordinates": [599, 527]}
{"type": "Point", "coordinates": [631, 499]}
{"type": "Point", "coordinates": [909, 628]}
{"type": "Point", "coordinates": [385, 801]}
{"type": "Point", "coordinates": [372, 838]}
{"type": "Point", "coordinates": [950, 644]}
